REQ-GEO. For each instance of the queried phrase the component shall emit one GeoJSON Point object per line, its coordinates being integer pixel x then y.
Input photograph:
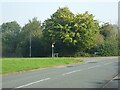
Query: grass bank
{"type": "Point", "coordinates": [11, 65]}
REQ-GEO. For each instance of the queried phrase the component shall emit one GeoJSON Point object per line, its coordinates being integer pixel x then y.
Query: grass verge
{"type": "Point", "coordinates": [11, 65]}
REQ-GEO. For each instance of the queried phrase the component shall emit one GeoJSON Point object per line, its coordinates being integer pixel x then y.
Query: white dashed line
{"type": "Point", "coordinates": [79, 70]}
{"type": "Point", "coordinates": [85, 69]}
{"type": "Point", "coordinates": [94, 66]}
{"type": "Point", "coordinates": [108, 63]}
{"type": "Point", "coordinates": [72, 72]}
{"type": "Point", "coordinates": [62, 74]}
{"type": "Point", "coordinates": [33, 83]}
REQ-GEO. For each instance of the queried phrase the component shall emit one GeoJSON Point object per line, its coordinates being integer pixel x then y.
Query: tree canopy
{"type": "Point", "coordinates": [10, 32]}
{"type": "Point", "coordinates": [32, 30]}
{"type": "Point", "coordinates": [72, 34]}
{"type": "Point", "coordinates": [78, 31]}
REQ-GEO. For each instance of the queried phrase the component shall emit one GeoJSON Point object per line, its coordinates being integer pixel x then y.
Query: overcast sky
{"type": "Point", "coordinates": [23, 11]}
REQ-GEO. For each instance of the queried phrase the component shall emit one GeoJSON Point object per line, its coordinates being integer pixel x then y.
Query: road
{"type": "Point", "coordinates": [94, 73]}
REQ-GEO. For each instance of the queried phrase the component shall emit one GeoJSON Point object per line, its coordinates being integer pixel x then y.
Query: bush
{"type": "Point", "coordinates": [108, 49]}
{"type": "Point", "coordinates": [82, 54]}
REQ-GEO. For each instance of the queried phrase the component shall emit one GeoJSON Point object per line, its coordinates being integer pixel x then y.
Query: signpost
{"type": "Point", "coordinates": [53, 49]}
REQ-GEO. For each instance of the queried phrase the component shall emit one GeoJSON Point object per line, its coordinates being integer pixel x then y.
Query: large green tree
{"type": "Point", "coordinates": [56, 29]}
{"type": "Point", "coordinates": [10, 32]}
{"type": "Point", "coordinates": [71, 32]}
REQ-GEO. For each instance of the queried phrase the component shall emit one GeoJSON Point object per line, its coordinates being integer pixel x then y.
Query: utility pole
{"type": "Point", "coordinates": [30, 45]}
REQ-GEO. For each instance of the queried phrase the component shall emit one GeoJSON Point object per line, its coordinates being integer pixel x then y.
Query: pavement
{"type": "Point", "coordinates": [94, 73]}
{"type": "Point", "coordinates": [113, 83]}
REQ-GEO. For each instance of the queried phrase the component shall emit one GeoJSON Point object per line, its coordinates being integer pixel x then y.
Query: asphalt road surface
{"type": "Point", "coordinates": [94, 73]}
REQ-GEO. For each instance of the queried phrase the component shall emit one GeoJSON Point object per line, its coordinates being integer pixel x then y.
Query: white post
{"type": "Point", "coordinates": [52, 49]}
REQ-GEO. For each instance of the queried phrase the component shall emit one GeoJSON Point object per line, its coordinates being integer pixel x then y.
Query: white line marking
{"type": "Point", "coordinates": [85, 69]}
{"type": "Point", "coordinates": [109, 82]}
{"type": "Point", "coordinates": [108, 63]}
{"type": "Point", "coordinates": [72, 72]}
{"type": "Point", "coordinates": [80, 70]}
{"type": "Point", "coordinates": [33, 83]}
{"type": "Point", "coordinates": [94, 66]}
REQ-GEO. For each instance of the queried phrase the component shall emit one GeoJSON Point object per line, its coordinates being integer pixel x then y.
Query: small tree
{"type": "Point", "coordinates": [32, 30]}
{"type": "Point", "coordinates": [10, 32]}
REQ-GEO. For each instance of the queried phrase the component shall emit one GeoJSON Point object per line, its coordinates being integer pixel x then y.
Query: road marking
{"type": "Point", "coordinates": [108, 63]}
{"type": "Point", "coordinates": [72, 72]}
{"type": "Point", "coordinates": [33, 83]}
{"type": "Point", "coordinates": [62, 74]}
{"type": "Point", "coordinates": [85, 69]}
{"type": "Point", "coordinates": [105, 86]}
{"type": "Point", "coordinates": [93, 67]}
{"type": "Point", "coordinates": [79, 70]}
{"type": "Point", "coordinates": [107, 83]}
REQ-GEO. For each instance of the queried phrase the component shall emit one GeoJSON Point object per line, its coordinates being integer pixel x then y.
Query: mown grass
{"type": "Point", "coordinates": [10, 65]}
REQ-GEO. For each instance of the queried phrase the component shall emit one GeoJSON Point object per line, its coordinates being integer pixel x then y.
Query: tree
{"type": "Point", "coordinates": [32, 30]}
{"type": "Point", "coordinates": [109, 48]}
{"type": "Point", "coordinates": [109, 31]}
{"type": "Point", "coordinates": [55, 28]}
{"type": "Point", "coordinates": [10, 32]}
{"type": "Point", "coordinates": [71, 32]}
{"type": "Point", "coordinates": [110, 45]}
{"type": "Point", "coordinates": [86, 30]}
